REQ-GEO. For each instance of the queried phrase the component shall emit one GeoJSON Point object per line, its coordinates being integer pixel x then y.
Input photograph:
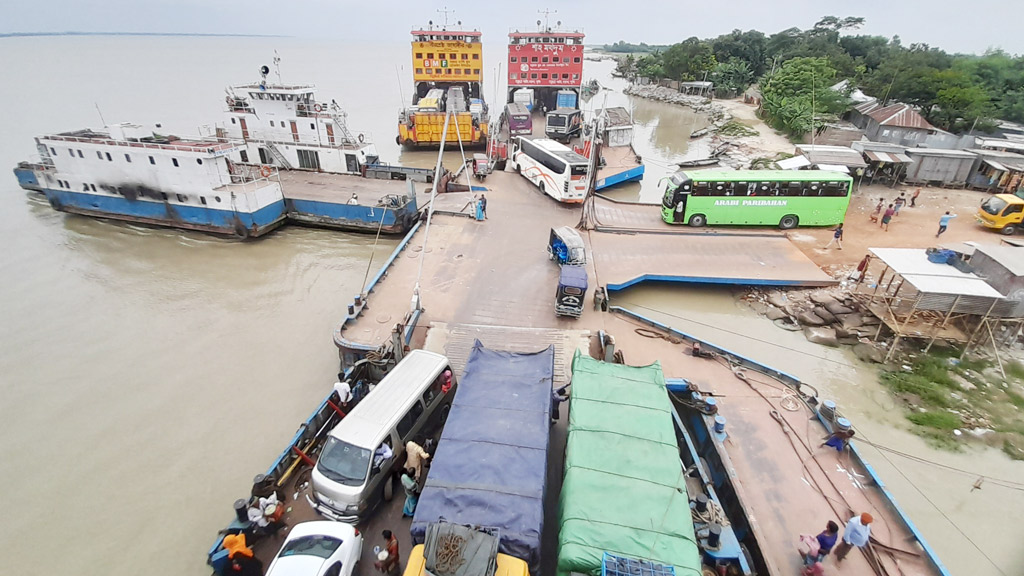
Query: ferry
{"type": "Point", "coordinates": [134, 173]}
{"type": "Point", "coordinates": [447, 75]}
{"type": "Point", "coordinates": [545, 67]}
{"type": "Point", "coordinates": [287, 127]}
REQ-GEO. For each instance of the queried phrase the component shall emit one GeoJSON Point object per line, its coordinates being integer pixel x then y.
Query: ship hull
{"type": "Point", "coordinates": [204, 219]}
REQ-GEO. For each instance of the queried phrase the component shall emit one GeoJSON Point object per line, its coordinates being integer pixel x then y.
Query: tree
{"type": "Point", "coordinates": [688, 60]}
{"type": "Point", "coordinates": [732, 77]}
{"type": "Point", "coordinates": [796, 98]}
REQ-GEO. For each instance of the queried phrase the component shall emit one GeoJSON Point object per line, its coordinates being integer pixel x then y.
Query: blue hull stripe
{"type": "Point", "coordinates": [152, 212]}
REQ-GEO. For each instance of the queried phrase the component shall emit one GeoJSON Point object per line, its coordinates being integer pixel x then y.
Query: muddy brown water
{"type": "Point", "coordinates": [147, 374]}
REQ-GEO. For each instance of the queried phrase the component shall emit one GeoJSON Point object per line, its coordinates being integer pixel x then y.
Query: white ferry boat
{"type": "Point", "coordinates": [285, 126]}
{"type": "Point", "coordinates": [130, 172]}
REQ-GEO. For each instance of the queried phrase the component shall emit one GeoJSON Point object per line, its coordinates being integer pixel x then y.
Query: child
{"type": "Point", "coordinates": [878, 210]}
{"type": "Point", "coordinates": [887, 217]}
{"type": "Point", "coordinates": [837, 237]}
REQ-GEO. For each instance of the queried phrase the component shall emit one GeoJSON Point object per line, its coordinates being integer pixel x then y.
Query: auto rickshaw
{"type": "Point", "coordinates": [481, 166]}
{"type": "Point", "coordinates": [572, 289]}
{"type": "Point", "coordinates": [565, 246]}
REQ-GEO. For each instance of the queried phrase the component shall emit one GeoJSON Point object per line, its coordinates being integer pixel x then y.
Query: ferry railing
{"type": "Point", "coordinates": [183, 146]}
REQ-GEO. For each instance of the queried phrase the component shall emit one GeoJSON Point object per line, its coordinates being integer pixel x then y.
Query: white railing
{"type": "Point", "coordinates": [212, 147]}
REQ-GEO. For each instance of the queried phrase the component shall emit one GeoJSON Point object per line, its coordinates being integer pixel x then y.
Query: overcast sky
{"type": "Point", "coordinates": [954, 25]}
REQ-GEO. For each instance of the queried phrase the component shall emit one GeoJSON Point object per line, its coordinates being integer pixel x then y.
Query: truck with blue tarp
{"type": "Point", "coordinates": [490, 465]}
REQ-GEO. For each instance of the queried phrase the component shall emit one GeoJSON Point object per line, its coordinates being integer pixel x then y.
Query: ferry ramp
{"type": "Point", "coordinates": [623, 260]}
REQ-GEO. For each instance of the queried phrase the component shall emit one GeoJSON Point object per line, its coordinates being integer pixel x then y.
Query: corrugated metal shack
{"type": "Point", "coordinates": [1003, 268]}
{"type": "Point", "coordinates": [939, 166]}
{"type": "Point", "coordinates": [917, 298]}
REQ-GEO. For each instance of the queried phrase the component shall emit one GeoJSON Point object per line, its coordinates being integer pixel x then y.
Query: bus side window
{"type": "Point", "coordinates": [720, 189]}
{"type": "Point", "coordinates": [794, 189]}
{"type": "Point", "coordinates": [700, 189]}
{"type": "Point", "coordinates": [765, 189]}
{"type": "Point", "coordinates": [833, 189]}
{"type": "Point", "coordinates": [742, 189]}
{"type": "Point", "coordinates": [813, 189]}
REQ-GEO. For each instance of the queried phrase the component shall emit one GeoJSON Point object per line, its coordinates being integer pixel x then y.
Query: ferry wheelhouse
{"type": "Point", "coordinates": [447, 75]}
{"type": "Point", "coordinates": [546, 64]}
{"type": "Point", "coordinates": [131, 172]}
{"type": "Point", "coordinates": [287, 127]}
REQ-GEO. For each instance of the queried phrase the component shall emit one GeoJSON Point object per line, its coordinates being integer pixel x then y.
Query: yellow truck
{"type": "Point", "coordinates": [507, 565]}
{"type": "Point", "coordinates": [1002, 212]}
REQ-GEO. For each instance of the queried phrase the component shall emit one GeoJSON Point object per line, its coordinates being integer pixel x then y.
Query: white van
{"type": "Point", "coordinates": [349, 478]}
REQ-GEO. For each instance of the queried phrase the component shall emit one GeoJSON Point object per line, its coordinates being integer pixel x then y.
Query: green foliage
{"type": "Point", "coordinates": [627, 48]}
{"type": "Point", "coordinates": [796, 98]}
{"type": "Point", "coordinates": [1014, 369]}
{"type": "Point", "coordinates": [908, 383]}
{"type": "Point", "coordinates": [936, 420]}
{"type": "Point", "coordinates": [954, 92]}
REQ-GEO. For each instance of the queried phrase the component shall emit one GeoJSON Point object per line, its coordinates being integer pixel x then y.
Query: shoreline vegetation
{"type": "Point", "coordinates": [73, 33]}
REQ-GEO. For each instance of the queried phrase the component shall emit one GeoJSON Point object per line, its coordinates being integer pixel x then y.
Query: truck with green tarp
{"type": "Point", "coordinates": [624, 490]}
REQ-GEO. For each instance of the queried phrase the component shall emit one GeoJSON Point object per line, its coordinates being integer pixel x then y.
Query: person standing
{"type": "Point", "coordinates": [900, 202]}
{"type": "Point", "coordinates": [887, 217]}
{"type": "Point", "coordinates": [483, 205]}
{"type": "Point", "coordinates": [412, 493]}
{"type": "Point", "coordinates": [390, 564]}
{"type": "Point", "coordinates": [913, 199]}
{"type": "Point", "coordinates": [858, 531]}
{"type": "Point", "coordinates": [827, 540]}
{"type": "Point", "coordinates": [344, 392]}
{"type": "Point", "coordinates": [837, 237]}
{"type": "Point", "coordinates": [558, 396]}
{"type": "Point", "coordinates": [944, 222]}
{"type": "Point", "coordinates": [415, 456]}
{"type": "Point", "coordinates": [878, 210]}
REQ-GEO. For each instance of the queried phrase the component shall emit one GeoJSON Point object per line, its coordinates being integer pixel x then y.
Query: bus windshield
{"type": "Point", "coordinates": [344, 463]}
{"type": "Point", "coordinates": [558, 121]}
{"type": "Point", "coordinates": [994, 205]}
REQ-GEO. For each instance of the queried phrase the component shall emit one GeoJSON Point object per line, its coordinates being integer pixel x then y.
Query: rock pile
{"type": "Point", "coordinates": [719, 117]}
{"type": "Point", "coordinates": [830, 317]}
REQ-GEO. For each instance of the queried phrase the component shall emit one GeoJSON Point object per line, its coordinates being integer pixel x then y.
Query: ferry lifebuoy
{"type": "Point", "coordinates": [360, 138]}
{"type": "Point", "coordinates": [266, 171]}
{"type": "Point", "coordinates": [518, 47]}
{"type": "Point", "coordinates": [573, 48]}
{"type": "Point", "coordinates": [318, 108]}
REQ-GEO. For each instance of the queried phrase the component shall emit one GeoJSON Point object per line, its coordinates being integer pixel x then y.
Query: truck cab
{"type": "Point", "coordinates": [1002, 212]}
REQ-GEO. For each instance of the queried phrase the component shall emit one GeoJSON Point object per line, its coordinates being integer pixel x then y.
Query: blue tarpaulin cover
{"type": "Point", "coordinates": [490, 465]}
{"type": "Point", "coordinates": [575, 276]}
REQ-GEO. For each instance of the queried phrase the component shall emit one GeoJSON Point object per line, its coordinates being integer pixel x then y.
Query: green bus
{"type": "Point", "coordinates": [783, 198]}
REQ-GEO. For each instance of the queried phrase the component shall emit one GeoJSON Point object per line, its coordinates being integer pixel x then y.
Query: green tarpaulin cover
{"type": "Point", "coordinates": [624, 490]}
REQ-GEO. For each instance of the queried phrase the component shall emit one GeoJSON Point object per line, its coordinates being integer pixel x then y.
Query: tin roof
{"type": "Point", "coordinates": [841, 155]}
{"type": "Point", "coordinates": [1009, 257]}
{"type": "Point", "coordinates": [890, 157]}
{"type": "Point", "coordinates": [932, 277]}
{"type": "Point", "coordinates": [902, 115]}
{"type": "Point", "coordinates": [940, 152]}
{"type": "Point", "coordinates": [1005, 161]}
{"type": "Point", "coordinates": [617, 116]}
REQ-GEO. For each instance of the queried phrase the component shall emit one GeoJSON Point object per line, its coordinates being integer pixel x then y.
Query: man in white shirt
{"type": "Point", "coordinates": [382, 454]}
{"type": "Point", "coordinates": [858, 532]}
{"type": "Point", "coordinates": [344, 392]}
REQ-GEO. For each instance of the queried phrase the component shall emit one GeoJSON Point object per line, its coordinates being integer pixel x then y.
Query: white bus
{"type": "Point", "coordinates": [554, 168]}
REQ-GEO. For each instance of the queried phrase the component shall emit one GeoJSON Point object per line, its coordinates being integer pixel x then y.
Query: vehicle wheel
{"type": "Point", "coordinates": [542, 188]}
{"type": "Point", "coordinates": [519, 169]}
{"type": "Point", "coordinates": [389, 488]}
{"type": "Point", "coordinates": [444, 412]}
{"type": "Point", "coordinates": [698, 220]}
{"type": "Point", "coordinates": [788, 222]}
{"type": "Point", "coordinates": [1008, 230]}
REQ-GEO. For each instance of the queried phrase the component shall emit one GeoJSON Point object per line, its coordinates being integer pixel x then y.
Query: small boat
{"type": "Point", "coordinates": [699, 133]}
{"type": "Point", "coordinates": [697, 162]}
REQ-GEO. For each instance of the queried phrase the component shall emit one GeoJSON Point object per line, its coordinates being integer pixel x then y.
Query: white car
{"type": "Point", "coordinates": [318, 549]}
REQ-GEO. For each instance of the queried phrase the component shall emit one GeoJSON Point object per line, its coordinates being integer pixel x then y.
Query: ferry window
{"type": "Point", "coordinates": [453, 56]}
{"type": "Point", "coordinates": [575, 76]}
{"type": "Point", "coordinates": [534, 59]}
{"type": "Point", "coordinates": [514, 76]}
{"type": "Point", "coordinates": [465, 56]}
{"type": "Point", "coordinates": [448, 71]}
{"type": "Point", "coordinates": [99, 155]}
{"type": "Point", "coordinates": [419, 70]}
{"type": "Point", "coordinates": [175, 162]}
{"type": "Point", "coordinates": [476, 56]}
{"type": "Point", "coordinates": [534, 75]}
{"type": "Point", "coordinates": [52, 151]}
{"type": "Point", "coordinates": [199, 161]}
{"type": "Point", "coordinates": [565, 76]}
{"type": "Point", "coordinates": [576, 60]}
{"type": "Point", "coordinates": [164, 194]}
{"type": "Point", "coordinates": [152, 160]}
{"type": "Point", "coordinates": [216, 199]}
{"type": "Point", "coordinates": [544, 75]}
{"type": "Point", "coordinates": [312, 126]}
{"type": "Point", "coordinates": [476, 70]}
{"type": "Point", "coordinates": [419, 55]}
{"type": "Point", "coordinates": [458, 71]}
{"type": "Point", "coordinates": [85, 187]}
{"type": "Point", "coordinates": [182, 198]}
{"type": "Point", "coordinates": [430, 55]}
{"type": "Point", "coordinates": [244, 155]}
{"type": "Point", "coordinates": [109, 158]}
{"type": "Point", "coordinates": [429, 71]}
{"type": "Point", "coordinates": [544, 59]}
{"type": "Point", "coordinates": [203, 200]}
{"type": "Point", "coordinates": [271, 123]}
{"type": "Point", "coordinates": [232, 119]}
{"type": "Point", "coordinates": [128, 158]}
{"type": "Point", "coordinates": [93, 187]}
{"type": "Point", "coordinates": [80, 154]}
{"type": "Point", "coordinates": [512, 59]}
{"type": "Point", "coordinates": [72, 152]}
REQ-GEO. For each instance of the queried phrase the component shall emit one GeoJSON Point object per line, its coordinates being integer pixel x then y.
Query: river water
{"type": "Point", "coordinates": [148, 374]}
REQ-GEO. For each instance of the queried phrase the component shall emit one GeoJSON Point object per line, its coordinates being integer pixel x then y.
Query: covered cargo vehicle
{"type": "Point", "coordinates": [490, 465]}
{"type": "Point", "coordinates": [624, 490]}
